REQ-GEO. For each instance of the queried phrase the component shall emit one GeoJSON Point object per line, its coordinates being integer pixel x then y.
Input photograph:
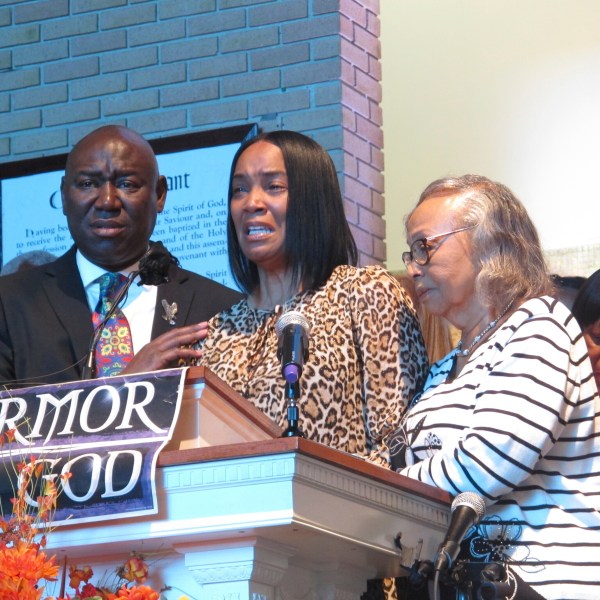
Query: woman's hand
{"type": "Point", "coordinates": [169, 348]}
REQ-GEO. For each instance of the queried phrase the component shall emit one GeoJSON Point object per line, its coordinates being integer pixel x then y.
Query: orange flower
{"type": "Point", "coordinates": [77, 576]}
{"type": "Point", "coordinates": [23, 565]}
{"type": "Point", "coordinates": [27, 561]}
{"type": "Point", "coordinates": [134, 566]}
{"type": "Point", "coordinates": [135, 569]}
{"type": "Point", "coordinates": [25, 592]}
{"type": "Point", "coordinates": [46, 506]}
{"type": "Point", "coordinates": [91, 591]}
{"type": "Point", "coordinates": [9, 437]}
{"type": "Point", "coordinates": [138, 592]}
{"type": "Point", "coordinates": [38, 467]}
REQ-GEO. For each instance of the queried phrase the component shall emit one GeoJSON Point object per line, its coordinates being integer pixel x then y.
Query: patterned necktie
{"type": "Point", "coordinates": [114, 348]}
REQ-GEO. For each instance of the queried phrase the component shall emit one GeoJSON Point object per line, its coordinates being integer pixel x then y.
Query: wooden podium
{"type": "Point", "coordinates": [266, 518]}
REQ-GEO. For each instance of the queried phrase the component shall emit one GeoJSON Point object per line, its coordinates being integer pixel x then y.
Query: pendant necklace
{"type": "Point", "coordinates": [489, 326]}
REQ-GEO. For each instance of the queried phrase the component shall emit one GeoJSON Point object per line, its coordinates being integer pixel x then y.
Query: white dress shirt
{"type": "Point", "coordinates": [139, 303]}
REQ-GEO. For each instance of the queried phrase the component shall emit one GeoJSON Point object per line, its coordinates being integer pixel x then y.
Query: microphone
{"type": "Point", "coordinates": [292, 346]}
{"type": "Point", "coordinates": [153, 269]}
{"type": "Point", "coordinates": [467, 510]}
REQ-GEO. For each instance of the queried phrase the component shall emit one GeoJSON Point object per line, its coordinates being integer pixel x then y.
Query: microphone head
{"type": "Point", "coordinates": [154, 265]}
{"type": "Point", "coordinates": [292, 317]}
{"type": "Point", "coordinates": [472, 500]}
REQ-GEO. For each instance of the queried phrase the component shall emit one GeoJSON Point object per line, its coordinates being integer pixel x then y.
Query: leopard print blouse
{"type": "Point", "coordinates": [366, 359]}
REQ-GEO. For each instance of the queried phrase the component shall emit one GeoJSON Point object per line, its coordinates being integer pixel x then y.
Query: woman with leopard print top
{"type": "Point", "coordinates": [290, 248]}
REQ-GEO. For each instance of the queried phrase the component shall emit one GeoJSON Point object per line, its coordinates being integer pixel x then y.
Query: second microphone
{"type": "Point", "coordinates": [292, 330]}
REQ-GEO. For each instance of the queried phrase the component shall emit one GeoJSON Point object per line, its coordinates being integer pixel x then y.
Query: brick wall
{"type": "Point", "coordinates": [167, 67]}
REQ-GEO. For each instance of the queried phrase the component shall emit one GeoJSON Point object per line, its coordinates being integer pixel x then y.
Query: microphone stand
{"type": "Point", "coordinates": [292, 393]}
{"type": "Point", "coordinates": [472, 580]}
{"type": "Point", "coordinates": [292, 333]}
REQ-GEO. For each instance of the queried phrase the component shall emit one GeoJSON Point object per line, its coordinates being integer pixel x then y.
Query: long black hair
{"type": "Point", "coordinates": [318, 237]}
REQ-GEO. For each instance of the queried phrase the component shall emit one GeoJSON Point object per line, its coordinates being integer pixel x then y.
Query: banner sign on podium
{"type": "Point", "coordinates": [106, 433]}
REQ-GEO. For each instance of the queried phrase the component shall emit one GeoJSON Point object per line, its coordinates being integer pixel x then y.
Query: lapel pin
{"type": "Point", "coordinates": [170, 311]}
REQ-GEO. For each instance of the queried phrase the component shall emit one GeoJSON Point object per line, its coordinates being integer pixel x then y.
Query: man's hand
{"type": "Point", "coordinates": [166, 350]}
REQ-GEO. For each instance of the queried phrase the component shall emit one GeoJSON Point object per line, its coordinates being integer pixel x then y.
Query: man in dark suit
{"type": "Point", "coordinates": [112, 193]}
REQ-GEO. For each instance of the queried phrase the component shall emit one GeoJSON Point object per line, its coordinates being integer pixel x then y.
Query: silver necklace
{"type": "Point", "coordinates": [489, 326]}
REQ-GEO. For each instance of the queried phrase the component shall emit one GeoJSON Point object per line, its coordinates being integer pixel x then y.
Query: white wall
{"type": "Point", "coordinates": [509, 89]}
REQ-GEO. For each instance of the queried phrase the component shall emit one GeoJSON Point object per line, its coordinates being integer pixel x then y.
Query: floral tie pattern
{"type": "Point", "coordinates": [114, 349]}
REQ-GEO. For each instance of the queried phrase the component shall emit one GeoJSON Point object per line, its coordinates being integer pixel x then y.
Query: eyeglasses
{"type": "Point", "coordinates": [419, 249]}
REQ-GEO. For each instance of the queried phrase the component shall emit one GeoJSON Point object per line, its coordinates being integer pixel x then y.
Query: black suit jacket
{"type": "Point", "coordinates": [46, 323]}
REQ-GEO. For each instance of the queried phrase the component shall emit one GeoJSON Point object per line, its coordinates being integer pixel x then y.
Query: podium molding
{"type": "Point", "coordinates": [266, 519]}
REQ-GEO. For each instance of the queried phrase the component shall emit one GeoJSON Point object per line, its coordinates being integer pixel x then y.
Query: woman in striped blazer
{"type": "Point", "coordinates": [512, 413]}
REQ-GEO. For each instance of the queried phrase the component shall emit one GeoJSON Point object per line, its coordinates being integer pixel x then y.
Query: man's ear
{"type": "Point", "coordinates": [62, 194]}
{"type": "Point", "coordinates": [161, 193]}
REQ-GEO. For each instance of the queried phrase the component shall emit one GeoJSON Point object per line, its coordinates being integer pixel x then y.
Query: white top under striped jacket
{"type": "Point", "coordinates": [520, 426]}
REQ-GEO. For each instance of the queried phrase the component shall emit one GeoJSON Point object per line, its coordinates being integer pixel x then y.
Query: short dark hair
{"type": "Point", "coordinates": [25, 261]}
{"type": "Point", "coordinates": [586, 307]}
{"type": "Point", "coordinates": [573, 282]}
{"type": "Point", "coordinates": [318, 237]}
